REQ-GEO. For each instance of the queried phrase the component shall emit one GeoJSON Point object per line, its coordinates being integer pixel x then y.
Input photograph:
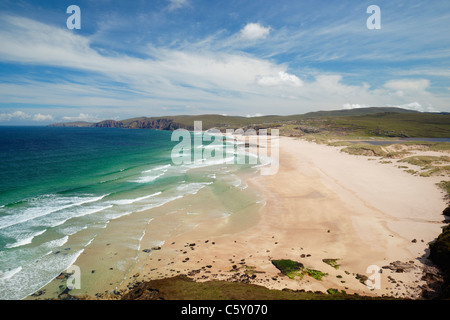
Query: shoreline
{"type": "Point", "coordinates": [322, 204]}
{"type": "Point", "coordinates": [315, 211]}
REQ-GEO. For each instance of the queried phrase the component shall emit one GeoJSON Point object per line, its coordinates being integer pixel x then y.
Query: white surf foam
{"type": "Point", "coordinates": [43, 206]}
{"type": "Point", "coordinates": [25, 241]}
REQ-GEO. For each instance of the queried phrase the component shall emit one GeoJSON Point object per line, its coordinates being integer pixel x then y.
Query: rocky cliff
{"type": "Point", "coordinates": [137, 123]}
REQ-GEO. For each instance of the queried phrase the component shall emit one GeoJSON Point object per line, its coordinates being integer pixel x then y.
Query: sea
{"type": "Point", "coordinates": [60, 186]}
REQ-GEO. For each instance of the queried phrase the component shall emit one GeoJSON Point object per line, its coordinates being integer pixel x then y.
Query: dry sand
{"type": "Point", "coordinates": [321, 204]}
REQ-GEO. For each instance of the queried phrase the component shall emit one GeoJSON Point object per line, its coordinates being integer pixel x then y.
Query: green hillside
{"type": "Point", "coordinates": [378, 122]}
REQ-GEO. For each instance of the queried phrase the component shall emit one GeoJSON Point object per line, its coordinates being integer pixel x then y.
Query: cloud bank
{"type": "Point", "coordinates": [20, 115]}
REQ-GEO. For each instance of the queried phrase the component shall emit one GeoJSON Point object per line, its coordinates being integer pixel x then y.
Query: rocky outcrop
{"type": "Point", "coordinates": [400, 267]}
{"type": "Point", "coordinates": [108, 124]}
{"type": "Point", "coordinates": [159, 124]}
{"type": "Point", "coordinates": [440, 255]}
{"type": "Point", "coordinates": [143, 291]}
{"type": "Point", "coordinates": [434, 280]}
{"type": "Point", "coordinates": [440, 249]}
{"type": "Point", "coordinates": [140, 123]}
{"type": "Point", "coordinates": [137, 123]}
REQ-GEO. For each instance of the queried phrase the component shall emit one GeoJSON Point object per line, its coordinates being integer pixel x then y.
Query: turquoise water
{"type": "Point", "coordinates": [57, 183]}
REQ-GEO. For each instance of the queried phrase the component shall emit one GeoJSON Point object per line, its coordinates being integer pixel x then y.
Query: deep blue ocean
{"type": "Point", "coordinates": [56, 182]}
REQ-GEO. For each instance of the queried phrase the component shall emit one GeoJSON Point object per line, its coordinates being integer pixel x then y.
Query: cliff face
{"type": "Point", "coordinates": [108, 124]}
{"type": "Point", "coordinates": [160, 124]}
{"type": "Point", "coordinates": [139, 123]}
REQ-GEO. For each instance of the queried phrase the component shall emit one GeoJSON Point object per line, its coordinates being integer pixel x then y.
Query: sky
{"type": "Point", "coordinates": [231, 57]}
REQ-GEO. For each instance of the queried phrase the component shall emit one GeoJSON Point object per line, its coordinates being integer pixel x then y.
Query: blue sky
{"type": "Point", "coordinates": [259, 57]}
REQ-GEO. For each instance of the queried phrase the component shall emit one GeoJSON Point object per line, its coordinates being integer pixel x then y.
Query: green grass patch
{"type": "Point", "coordinates": [431, 165]}
{"type": "Point", "coordinates": [439, 170]}
{"type": "Point", "coordinates": [425, 160]}
{"type": "Point", "coordinates": [183, 288]}
{"type": "Point", "coordinates": [332, 262]}
{"type": "Point", "coordinates": [289, 268]}
{"type": "Point", "coordinates": [316, 274]}
{"type": "Point", "coordinates": [251, 270]}
{"type": "Point", "coordinates": [444, 185]}
{"type": "Point", "coordinates": [396, 154]}
{"type": "Point", "coordinates": [335, 291]}
{"type": "Point", "coordinates": [293, 269]}
{"type": "Point", "coordinates": [386, 125]}
{"type": "Point", "coordinates": [364, 149]}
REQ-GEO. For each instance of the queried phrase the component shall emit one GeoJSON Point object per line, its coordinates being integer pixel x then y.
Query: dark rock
{"type": "Point", "coordinates": [38, 293]}
{"type": "Point", "coordinates": [446, 211]}
{"type": "Point", "coordinates": [440, 249]}
{"type": "Point", "coordinates": [440, 255]}
{"type": "Point", "coordinates": [362, 278]}
{"type": "Point", "coordinates": [143, 291]}
{"type": "Point", "coordinates": [399, 267]}
{"type": "Point", "coordinates": [63, 275]}
{"type": "Point", "coordinates": [434, 281]}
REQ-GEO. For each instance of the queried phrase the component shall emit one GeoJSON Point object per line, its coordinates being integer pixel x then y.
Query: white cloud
{"type": "Point", "coordinates": [41, 117]}
{"type": "Point", "coordinates": [408, 85]}
{"type": "Point", "coordinates": [349, 106]}
{"type": "Point", "coordinates": [14, 115]}
{"type": "Point", "coordinates": [254, 31]}
{"type": "Point", "coordinates": [417, 107]}
{"type": "Point", "coordinates": [177, 4]}
{"type": "Point", "coordinates": [412, 106]}
{"type": "Point", "coordinates": [282, 78]}
{"type": "Point", "coordinates": [254, 115]}
{"type": "Point", "coordinates": [20, 115]}
{"type": "Point", "coordinates": [82, 117]}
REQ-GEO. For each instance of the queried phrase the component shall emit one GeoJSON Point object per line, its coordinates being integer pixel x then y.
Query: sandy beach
{"type": "Point", "coordinates": [321, 204]}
